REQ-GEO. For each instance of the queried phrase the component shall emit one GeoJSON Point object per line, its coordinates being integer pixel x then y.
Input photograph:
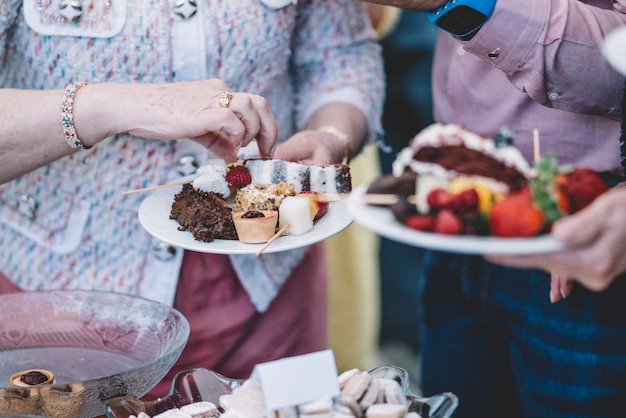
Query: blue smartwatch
{"type": "Point", "coordinates": [462, 18]}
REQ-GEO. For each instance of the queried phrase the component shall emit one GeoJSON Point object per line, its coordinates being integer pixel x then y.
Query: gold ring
{"type": "Point", "coordinates": [225, 98]}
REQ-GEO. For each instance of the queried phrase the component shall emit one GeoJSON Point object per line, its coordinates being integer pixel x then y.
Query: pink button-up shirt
{"type": "Point", "coordinates": [538, 64]}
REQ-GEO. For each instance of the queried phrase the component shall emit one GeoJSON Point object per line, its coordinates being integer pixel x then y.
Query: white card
{"type": "Point", "coordinates": [296, 380]}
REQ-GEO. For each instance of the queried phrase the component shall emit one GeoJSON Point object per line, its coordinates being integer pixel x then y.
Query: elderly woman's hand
{"type": "Point", "coordinates": [206, 111]}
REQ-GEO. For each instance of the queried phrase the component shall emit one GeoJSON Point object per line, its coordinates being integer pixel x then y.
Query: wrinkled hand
{"type": "Point", "coordinates": [308, 147]}
{"type": "Point", "coordinates": [619, 6]}
{"type": "Point", "coordinates": [192, 110]}
{"type": "Point", "coordinates": [411, 4]}
{"type": "Point", "coordinates": [596, 238]}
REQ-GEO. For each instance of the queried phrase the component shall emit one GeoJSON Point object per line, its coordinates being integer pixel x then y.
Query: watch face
{"type": "Point", "coordinates": [461, 20]}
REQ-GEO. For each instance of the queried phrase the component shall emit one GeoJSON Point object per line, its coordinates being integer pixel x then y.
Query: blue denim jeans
{"type": "Point", "coordinates": [491, 335]}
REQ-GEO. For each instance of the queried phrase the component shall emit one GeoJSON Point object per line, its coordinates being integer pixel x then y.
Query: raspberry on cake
{"type": "Point", "coordinates": [238, 176]}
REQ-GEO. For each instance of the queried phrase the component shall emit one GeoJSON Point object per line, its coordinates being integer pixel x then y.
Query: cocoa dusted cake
{"type": "Point", "coordinates": [205, 214]}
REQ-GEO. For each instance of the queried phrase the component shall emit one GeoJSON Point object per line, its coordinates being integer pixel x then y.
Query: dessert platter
{"type": "Point", "coordinates": [236, 208]}
{"type": "Point", "coordinates": [455, 191]}
{"type": "Point", "coordinates": [63, 353]}
{"type": "Point", "coordinates": [386, 387]}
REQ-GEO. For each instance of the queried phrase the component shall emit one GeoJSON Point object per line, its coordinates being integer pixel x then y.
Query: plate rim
{"type": "Point", "coordinates": [381, 221]}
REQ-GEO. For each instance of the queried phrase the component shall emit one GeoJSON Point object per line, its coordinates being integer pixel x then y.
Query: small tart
{"type": "Point", "coordinates": [32, 377]}
{"type": "Point", "coordinates": [256, 230]}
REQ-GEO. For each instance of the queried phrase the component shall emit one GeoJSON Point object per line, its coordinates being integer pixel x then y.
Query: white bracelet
{"type": "Point", "coordinates": [67, 116]}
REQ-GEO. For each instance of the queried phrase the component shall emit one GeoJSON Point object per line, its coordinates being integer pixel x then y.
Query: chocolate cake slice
{"type": "Point", "coordinates": [449, 151]}
{"type": "Point", "coordinates": [206, 215]}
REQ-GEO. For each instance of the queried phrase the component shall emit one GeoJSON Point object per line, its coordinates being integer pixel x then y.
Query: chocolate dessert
{"type": "Point", "coordinates": [205, 214]}
{"type": "Point", "coordinates": [471, 162]}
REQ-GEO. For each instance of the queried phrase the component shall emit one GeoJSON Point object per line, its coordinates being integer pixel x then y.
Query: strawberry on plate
{"type": "Point", "coordinates": [516, 216]}
{"type": "Point", "coordinates": [419, 222]}
{"type": "Point", "coordinates": [580, 187]}
{"type": "Point", "coordinates": [448, 223]}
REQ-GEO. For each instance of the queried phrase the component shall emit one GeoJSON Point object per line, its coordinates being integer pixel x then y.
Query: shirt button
{"type": "Point", "coordinates": [71, 10]}
{"type": "Point", "coordinates": [27, 206]}
{"type": "Point", "coordinates": [187, 165]}
{"type": "Point", "coordinates": [494, 54]}
{"type": "Point", "coordinates": [553, 96]}
{"type": "Point", "coordinates": [164, 251]}
{"type": "Point", "coordinates": [185, 9]}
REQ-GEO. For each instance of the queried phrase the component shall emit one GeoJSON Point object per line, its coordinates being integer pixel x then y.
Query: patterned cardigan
{"type": "Point", "coordinates": [67, 225]}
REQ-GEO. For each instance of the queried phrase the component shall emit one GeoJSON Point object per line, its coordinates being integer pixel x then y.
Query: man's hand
{"type": "Point", "coordinates": [595, 238]}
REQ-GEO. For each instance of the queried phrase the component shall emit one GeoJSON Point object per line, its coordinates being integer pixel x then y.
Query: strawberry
{"type": "Point", "coordinates": [465, 201]}
{"type": "Point", "coordinates": [419, 222]}
{"type": "Point", "coordinates": [238, 176]}
{"type": "Point", "coordinates": [516, 216]}
{"type": "Point", "coordinates": [317, 207]}
{"type": "Point", "coordinates": [581, 186]}
{"type": "Point", "coordinates": [559, 195]}
{"type": "Point", "coordinates": [439, 199]}
{"type": "Point", "coordinates": [448, 223]}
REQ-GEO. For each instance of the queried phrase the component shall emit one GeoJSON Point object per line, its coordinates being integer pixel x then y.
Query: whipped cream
{"type": "Point", "coordinates": [438, 135]}
{"type": "Point", "coordinates": [212, 178]}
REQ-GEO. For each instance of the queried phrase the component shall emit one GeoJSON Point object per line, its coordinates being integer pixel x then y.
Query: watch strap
{"type": "Point", "coordinates": [462, 18]}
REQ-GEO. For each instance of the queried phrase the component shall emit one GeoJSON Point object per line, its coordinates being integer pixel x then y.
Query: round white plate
{"type": "Point", "coordinates": [381, 220]}
{"type": "Point", "coordinates": [154, 215]}
{"type": "Point", "coordinates": [614, 49]}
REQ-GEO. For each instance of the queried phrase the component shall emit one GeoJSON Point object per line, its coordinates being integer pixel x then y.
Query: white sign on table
{"type": "Point", "coordinates": [296, 380]}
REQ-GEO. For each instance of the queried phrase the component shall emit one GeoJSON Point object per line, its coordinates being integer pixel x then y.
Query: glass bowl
{"type": "Point", "coordinates": [99, 345]}
{"type": "Point", "coordinates": [206, 385]}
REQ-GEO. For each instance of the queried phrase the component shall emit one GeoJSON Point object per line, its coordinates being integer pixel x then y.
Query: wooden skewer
{"type": "Point", "coordinates": [536, 151]}
{"type": "Point", "coordinates": [385, 199]}
{"type": "Point", "coordinates": [370, 198]}
{"type": "Point", "coordinates": [276, 235]}
{"type": "Point", "coordinates": [162, 186]}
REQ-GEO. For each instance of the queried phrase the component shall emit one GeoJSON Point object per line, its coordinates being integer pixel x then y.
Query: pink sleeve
{"type": "Point", "coordinates": [551, 51]}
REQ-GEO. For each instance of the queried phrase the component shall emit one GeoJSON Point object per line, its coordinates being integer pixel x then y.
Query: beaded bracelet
{"type": "Point", "coordinates": [67, 116]}
{"type": "Point", "coordinates": [341, 136]}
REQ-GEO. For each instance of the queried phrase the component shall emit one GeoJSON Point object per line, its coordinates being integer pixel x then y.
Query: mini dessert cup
{"type": "Point", "coordinates": [30, 378]}
{"type": "Point", "coordinates": [256, 230]}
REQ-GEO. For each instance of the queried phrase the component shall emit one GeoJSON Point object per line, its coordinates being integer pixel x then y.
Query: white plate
{"type": "Point", "coordinates": [381, 220]}
{"type": "Point", "coordinates": [154, 215]}
{"type": "Point", "coordinates": [614, 49]}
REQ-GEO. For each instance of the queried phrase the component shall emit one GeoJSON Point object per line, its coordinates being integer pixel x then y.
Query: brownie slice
{"type": "Point", "coordinates": [206, 215]}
